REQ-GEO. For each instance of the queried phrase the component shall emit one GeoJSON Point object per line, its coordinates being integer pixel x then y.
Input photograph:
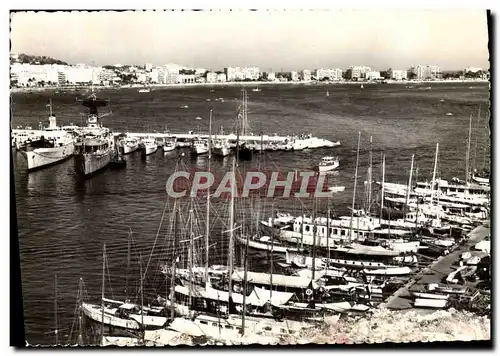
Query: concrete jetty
{"type": "Point", "coordinates": [293, 142]}
{"type": "Point", "coordinates": [435, 272]}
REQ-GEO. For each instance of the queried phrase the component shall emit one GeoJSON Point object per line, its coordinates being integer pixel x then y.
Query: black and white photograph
{"type": "Point", "coordinates": [250, 177]}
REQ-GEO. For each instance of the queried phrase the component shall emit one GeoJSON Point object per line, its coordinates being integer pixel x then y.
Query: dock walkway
{"type": "Point", "coordinates": [434, 273]}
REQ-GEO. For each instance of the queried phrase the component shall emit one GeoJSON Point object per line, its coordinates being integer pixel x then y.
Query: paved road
{"type": "Point", "coordinates": [435, 272]}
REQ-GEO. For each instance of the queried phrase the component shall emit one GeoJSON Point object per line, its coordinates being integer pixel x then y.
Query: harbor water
{"type": "Point", "coordinates": [64, 220]}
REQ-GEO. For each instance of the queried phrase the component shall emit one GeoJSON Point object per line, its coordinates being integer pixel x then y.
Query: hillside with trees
{"type": "Point", "coordinates": [27, 58]}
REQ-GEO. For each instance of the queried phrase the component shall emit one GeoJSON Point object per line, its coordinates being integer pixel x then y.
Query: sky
{"type": "Point", "coordinates": [271, 40]}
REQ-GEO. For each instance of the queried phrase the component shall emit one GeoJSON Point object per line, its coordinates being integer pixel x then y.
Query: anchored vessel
{"type": "Point", "coordinates": [94, 146]}
{"type": "Point", "coordinates": [328, 163]}
{"type": "Point", "coordinates": [128, 145]}
{"type": "Point", "coordinates": [52, 146]}
{"type": "Point", "coordinates": [148, 146]}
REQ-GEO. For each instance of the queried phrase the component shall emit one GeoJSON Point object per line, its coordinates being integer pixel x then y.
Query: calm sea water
{"type": "Point", "coordinates": [63, 221]}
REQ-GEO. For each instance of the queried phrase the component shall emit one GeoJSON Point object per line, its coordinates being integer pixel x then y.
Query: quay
{"type": "Point", "coordinates": [435, 272]}
{"type": "Point", "coordinates": [296, 142]}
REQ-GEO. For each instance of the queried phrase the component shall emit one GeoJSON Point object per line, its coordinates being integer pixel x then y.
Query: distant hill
{"type": "Point", "coordinates": [26, 58]}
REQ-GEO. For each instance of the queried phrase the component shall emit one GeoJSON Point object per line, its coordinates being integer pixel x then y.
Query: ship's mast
{"type": "Point", "coordinates": [207, 227]}
{"type": "Point", "coordinates": [434, 174]}
{"type": "Point", "coordinates": [354, 190]}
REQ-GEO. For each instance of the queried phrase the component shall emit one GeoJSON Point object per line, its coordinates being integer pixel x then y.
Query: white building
{"type": "Point", "coordinates": [230, 73]}
{"type": "Point", "coordinates": [294, 76]}
{"type": "Point", "coordinates": [358, 72]}
{"type": "Point", "coordinates": [306, 75]}
{"type": "Point", "coordinates": [372, 75]}
{"type": "Point", "coordinates": [331, 74]}
{"type": "Point", "coordinates": [221, 78]}
{"type": "Point", "coordinates": [399, 74]}
{"type": "Point", "coordinates": [472, 70]}
{"type": "Point", "coordinates": [211, 77]}
{"type": "Point", "coordinates": [252, 73]}
{"type": "Point", "coordinates": [427, 72]}
{"type": "Point", "coordinates": [271, 76]}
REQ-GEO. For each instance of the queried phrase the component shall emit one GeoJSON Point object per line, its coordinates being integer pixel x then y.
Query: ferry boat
{"type": "Point", "coordinates": [95, 145]}
{"type": "Point", "coordinates": [53, 146]}
{"type": "Point", "coordinates": [328, 163]}
{"type": "Point", "coordinates": [148, 146]}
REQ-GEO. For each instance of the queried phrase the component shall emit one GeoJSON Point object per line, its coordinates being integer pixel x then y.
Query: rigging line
{"type": "Point", "coordinates": [109, 275]}
{"type": "Point", "coordinates": [156, 239]}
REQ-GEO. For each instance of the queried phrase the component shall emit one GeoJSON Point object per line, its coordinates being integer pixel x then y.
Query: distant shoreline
{"type": "Point", "coordinates": [246, 84]}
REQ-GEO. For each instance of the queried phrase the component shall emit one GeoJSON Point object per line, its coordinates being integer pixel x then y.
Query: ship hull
{"type": "Point", "coordinates": [199, 150]}
{"type": "Point", "coordinates": [126, 149]}
{"type": "Point", "coordinates": [221, 151]}
{"type": "Point", "coordinates": [90, 163]}
{"type": "Point", "coordinates": [147, 150]}
{"type": "Point", "coordinates": [44, 157]}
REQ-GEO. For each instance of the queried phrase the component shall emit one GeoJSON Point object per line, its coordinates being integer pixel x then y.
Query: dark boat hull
{"type": "Point", "coordinates": [88, 164]}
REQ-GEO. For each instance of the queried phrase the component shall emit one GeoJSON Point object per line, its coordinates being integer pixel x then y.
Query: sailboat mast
{"type": "Point", "coordinates": [142, 297]}
{"type": "Point", "coordinates": [207, 227]}
{"type": "Point", "coordinates": [128, 262]}
{"type": "Point", "coordinates": [434, 173]}
{"type": "Point", "coordinates": [314, 239]}
{"type": "Point", "coordinates": [102, 290]}
{"type": "Point", "coordinates": [80, 302]}
{"type": "Point", "coordinates": [408, 188]}
{"type": "Point", "coordinates": [55, 308]}
{"type": "Point", "coordinates": [50, 107]}
{"type": "Point", "coordinates": [245, 273]}
{"type": "Point", "coordinates": [191, 243]}
{"type": "Point", "coordinates": [354, 190]}
{"type": "Point", "coordinates": [271, 269]}
{"type": "Point", "coordinates": [467, 157]}
{"type": "Point", "coordinates": [328, 233]}
{"type": "Point", "coordinates": [475, 142]}
{"type": "Point", "coordinates": [383, 188]}
{"type": "Point", "coordinates": [231, 230]}
{"type": "Point", "coordinates": [370, 179]}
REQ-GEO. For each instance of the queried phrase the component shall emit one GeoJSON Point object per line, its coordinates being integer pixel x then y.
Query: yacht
{"type": "Point", "coordinates": [221, 147]}
{"type": "Point", "coordinates": [54, 145]}
{"type": "Point", "coordinates": [328, 163]}
{"type": "Point", "coordinates": [169, 145]}
{"type": "Point", "coordinates": [199, 147]}
{"type": "Point", "coordinates": [129, 145]}
{"type": "Point", "coordinates": [149, 146]}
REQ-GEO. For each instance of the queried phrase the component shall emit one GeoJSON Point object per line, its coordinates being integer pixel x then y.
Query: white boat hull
{"type": "Point", "coordinates": [42, 157]}
{"type": "Point", "coordinates": [221, 151]}
{"type": "Point", "coordinates": [167, 148]}
{"type": "Point", "coordinates": [430, 303]}
{"type": "Point", "coordinates": [149, 149]}
{"type": "Point", "coordinates": [328, 168]}
{"type": "Point", "coordinates": [199, 150]}
{"type": "Point", "coordinates": [129, 148]}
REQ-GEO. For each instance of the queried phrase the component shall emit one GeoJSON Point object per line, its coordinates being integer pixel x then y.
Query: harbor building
{"type": "Point", "coordinates": [306, 75]}
{"type": "Point", "coordinates": [372, 75]}
{"type": "Point", "coordinates": [399, 74]}
{"type": "Point", "coordinates": [211, 77]}
{"type": "Point", "coordinates": [426, 72]}
{"type": "Point", "coordinates": [294, 76]}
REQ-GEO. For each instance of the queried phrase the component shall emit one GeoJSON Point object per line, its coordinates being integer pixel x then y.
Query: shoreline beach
{"type": "Point", "coordinates": [246, 84]}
